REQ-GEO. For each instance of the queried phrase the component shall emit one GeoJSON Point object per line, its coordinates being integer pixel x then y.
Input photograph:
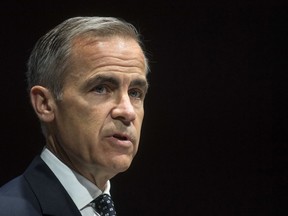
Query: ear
{"type": "Point", "coordinates": [43, 103]}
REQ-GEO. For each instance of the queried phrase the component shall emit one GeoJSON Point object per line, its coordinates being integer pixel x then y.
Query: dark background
{"type": "Point", "coordinates": [214, 140]}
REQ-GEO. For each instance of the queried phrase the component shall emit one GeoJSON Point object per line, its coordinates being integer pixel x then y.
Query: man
{"type": "Point", "coordinates": [87, 84]}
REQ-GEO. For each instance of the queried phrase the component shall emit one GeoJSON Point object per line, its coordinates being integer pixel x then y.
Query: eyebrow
{"type": "Point", "coordinates": [103, 79]}
{"type": "Point", "coordinates": [141, 83]}
{"type": "Point", "coordinates": [116, 82]}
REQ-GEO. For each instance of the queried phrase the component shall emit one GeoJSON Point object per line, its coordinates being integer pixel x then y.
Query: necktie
{"type": "Point", "coordinates": [104, 205]}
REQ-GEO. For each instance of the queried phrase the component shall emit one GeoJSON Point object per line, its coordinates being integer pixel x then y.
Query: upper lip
{"type": "Point", "coordinates": [122, 136]}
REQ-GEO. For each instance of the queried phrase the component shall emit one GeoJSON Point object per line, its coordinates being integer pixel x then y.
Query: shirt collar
{"type": "Point", "coordinates": [80, 189]}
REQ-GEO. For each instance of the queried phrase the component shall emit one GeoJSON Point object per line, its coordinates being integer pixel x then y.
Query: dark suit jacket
{"type": "Point", "coordinates": [36, 192]}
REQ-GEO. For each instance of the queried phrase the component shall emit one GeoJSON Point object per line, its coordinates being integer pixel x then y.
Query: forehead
{"type": "Point", "coordinates": [114, 54]}
{"type": "Point", "coordinates": [109, 45]}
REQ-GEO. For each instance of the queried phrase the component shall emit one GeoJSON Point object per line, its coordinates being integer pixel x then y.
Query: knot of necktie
{"type": "Point", "coordinates": [104, 205]}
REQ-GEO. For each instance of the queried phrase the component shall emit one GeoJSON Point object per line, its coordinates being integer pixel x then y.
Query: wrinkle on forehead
{"type": "Point", "coordinates": [113, 46]}
{"type": "Point", "coordinates": [107, 54]}
{"type": "Point", "coordinates": [118, 42]}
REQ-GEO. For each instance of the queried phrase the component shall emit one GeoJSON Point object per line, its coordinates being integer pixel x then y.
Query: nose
{"type": "Point", "coordinates": [124, 110]}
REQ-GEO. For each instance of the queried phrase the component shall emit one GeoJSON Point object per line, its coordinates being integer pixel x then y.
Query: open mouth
{"type": "Point", "coordinates": [120, 137]}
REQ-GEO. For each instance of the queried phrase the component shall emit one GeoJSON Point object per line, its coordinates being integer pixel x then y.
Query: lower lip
{"type": "Point", "coordinates": [119, 143]}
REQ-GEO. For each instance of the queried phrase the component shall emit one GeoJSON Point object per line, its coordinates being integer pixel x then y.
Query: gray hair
{"type": "Point", "coordinates": [50, 55]}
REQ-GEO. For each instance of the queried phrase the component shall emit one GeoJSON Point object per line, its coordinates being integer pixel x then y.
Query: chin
{"type": "Point", "coordinates": [121, 165]}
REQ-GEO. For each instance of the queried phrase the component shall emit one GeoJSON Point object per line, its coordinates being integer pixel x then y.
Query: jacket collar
{"type": "Point", "coordinates": [51, 195]}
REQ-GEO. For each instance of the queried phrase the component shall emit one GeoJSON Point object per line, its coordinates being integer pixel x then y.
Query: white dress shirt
{"type": "Point", "coordinates": [80, 189]}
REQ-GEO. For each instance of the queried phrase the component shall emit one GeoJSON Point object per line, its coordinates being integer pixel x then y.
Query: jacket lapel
{"type": "Point", "coordinates": [52, 197]}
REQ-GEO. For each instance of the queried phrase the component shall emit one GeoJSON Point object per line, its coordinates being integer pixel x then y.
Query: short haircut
{"type": "Point", "coordinates": [50, 55]}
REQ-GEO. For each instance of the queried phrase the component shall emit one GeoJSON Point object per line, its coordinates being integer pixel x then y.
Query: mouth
{"type": "Point", "coordinates": [121, 140]}
{"type": "Point", "coordinates": [121, 137]}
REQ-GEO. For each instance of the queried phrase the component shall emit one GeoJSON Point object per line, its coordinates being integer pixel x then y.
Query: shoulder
{"type": "Point", "coordinates": [16, 198]}
{"type": "Point", "coordinates": [12, 186]}
{"type": "Point", "coordinates": [17, 187]}
{"type": "Point", "coordinates": [12, 206]}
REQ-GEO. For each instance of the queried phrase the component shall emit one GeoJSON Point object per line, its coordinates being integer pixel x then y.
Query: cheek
{"type": "Point", "coordinates": [80, 123]}
{"type": "Point", "coordinates": [92, 117]}
{"type": "Point", "coordinates": [140, 117]}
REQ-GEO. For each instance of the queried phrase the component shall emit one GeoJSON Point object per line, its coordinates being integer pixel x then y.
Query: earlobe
{"type": "Point", "coordinates": [43, 103]}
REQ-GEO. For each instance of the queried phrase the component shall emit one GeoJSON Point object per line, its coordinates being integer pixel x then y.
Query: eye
{"type": "Point", "coordinates": [100, 89]}
{"type": "Point", "coordinates": [136, 93]}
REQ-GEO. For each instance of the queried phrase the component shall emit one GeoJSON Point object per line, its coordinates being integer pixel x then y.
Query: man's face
{"type": "Point", "coordinates": [98, 119]}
